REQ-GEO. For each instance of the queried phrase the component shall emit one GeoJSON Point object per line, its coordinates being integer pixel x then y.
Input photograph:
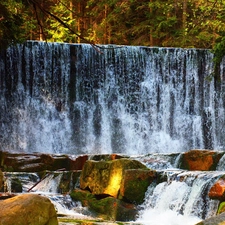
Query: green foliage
{"type": "Point", "coordinates": [219, 53]}
{"type": "Point", "coordinates": [221, 208]}
{"type": "Point", "coordinates": [11, 22]}
{"type": "Point", "coordinates": [181, 23]}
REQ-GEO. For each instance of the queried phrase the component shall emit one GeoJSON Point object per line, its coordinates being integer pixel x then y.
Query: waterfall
{"type": "Point", "coordinates": [70, 98]}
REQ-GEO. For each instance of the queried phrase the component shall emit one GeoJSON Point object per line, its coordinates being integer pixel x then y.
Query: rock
{"type": "Point", "coordinates": [215, 220]}
{"type": "Point", "coordinates": [135, 183]}
{"type": "Point", "coordinates": [107, 208]}
{"type": "Point", "coordinates": [1, 179]}
{"type": "Point", "coordinates": [16, 185]}
{"type": "Point", "coordinates": [77, 163]}
{"type": "Point", "coordinates": [69, 181]}
{"type": "Point", "coordinates": [106, 157]}
{"type": "Point", "coordinates": [204, 160]}
{"type": "Point", "coordinates": [217, 191]}
{"type": "Point", "coordinates": [37, 162]}
{"type": "Point", "coordinates": [29, 209]}
{"type": "Point", "coordinates": [104, 177]}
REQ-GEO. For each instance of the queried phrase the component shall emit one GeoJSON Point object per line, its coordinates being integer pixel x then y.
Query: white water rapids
{"type": "Point", "coordinates": [183, 199]}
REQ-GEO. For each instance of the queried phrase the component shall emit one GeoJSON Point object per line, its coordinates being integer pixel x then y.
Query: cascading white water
{"type": "Point", "coordinates": [183, 198]}
{"type": "Point", "coordinates": [69, 98]}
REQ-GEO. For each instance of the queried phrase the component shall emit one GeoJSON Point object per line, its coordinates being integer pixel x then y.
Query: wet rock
{"type": "Point", "coordinates": [135, 183]}
{"type": "Point", "coordinates": [104, 177]}
{"type": "Point", "coordinates": [106, 157]}
{"type": "Point", "coordinates": [204, 160]}
{"type": "Point", "coordinates": [77, 163]}
{"type": "Point", "coordinates": [105, 207]}
{"type": "Point", "coordinates": [27, 209]}
{"type": "Point", "coordinates": [69, 181]}
{"type": "Point", "coordinates": [16, 186]}
{"type": "Point", "coordinates": [1, 179]}
{"type": "Point", "coordinates": [215, 220]}
{"type": "Point", "coordinates": [217, 191]}
{"type": "Point", "coordinates": [36, 162]}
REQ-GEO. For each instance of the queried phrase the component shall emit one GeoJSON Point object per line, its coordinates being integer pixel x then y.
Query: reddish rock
{"type": "Point", "coordinates": [204, 160]}
{"type": "Point", "coordinates": [77, 163]}
{"type": "Point", "coordinates": [217, 191]}
{"type": "Point", "coordinates": [36, 162]}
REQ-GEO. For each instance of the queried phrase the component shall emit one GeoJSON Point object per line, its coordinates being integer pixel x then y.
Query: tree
{"type": "Point", "coordinates": [11, 23]}
{"type": "Point", "coordinates": [176, 23]}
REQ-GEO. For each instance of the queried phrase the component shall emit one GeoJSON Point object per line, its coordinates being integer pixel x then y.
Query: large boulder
{"type": "Point", "coordinates": [204, 160]}
{"type": "Point", "coordinates": [29, 209]}
{"type": "Point", "coordinates": [104, 177]}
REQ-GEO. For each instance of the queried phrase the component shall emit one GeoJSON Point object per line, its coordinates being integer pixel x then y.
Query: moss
{"type": "Point", "coordinates": [107, 208]}
{"type": "Point", "coordinates": [82, 196]}
{"type": "Point", "coordinates": [141, 186]}
{"type": "Point", "coordinates": [16, 185]}
{"type": "Point", "coordinates": [82, 222]}
{"type": "Point", "coordinates": [135, 183]}
{"type": "Point", "coordinates": [64, 185]}
{"type": "Point", "coordinates": [221, 208]}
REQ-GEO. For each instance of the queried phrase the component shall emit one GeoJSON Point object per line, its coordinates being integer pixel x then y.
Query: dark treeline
{"type": "Point", "coordinates": [166, 23]}
{"type": "Point", "coordinates": [177, 23]}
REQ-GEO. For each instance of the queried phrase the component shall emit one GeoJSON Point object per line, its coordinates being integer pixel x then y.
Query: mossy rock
{"type": "Point", "coordinates": [69, 181]}
{"type": "Point", "coordinates": [135, 183]}
{"type": "Point", "coordinates": [16, 185]}
{"type": "Point", "coordinates": [107, 157]}
{"type": "Point", "coordinates": [104, 177]}
{"type": "Point", "coordinates": [88, 222]}
{"type": "Point", "coordinates": [82, 196]}
{"type": "Point", "coordinates": [105, 207]}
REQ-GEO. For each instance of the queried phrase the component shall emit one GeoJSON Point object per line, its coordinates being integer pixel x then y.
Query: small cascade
{"type": "Point", "coordinates": [183, 197]}
{"type": "Point", "coordinates": [50, 184]}
{"type": "Point", "coordinates": [160, 162]}
{"type": "Point", "coordinates": [21, 181]}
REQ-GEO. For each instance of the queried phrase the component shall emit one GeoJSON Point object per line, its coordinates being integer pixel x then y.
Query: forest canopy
{"type": "Point", "coordinates": [165, 23]}
{"type": "Point", "coordinates": [177, 23]}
